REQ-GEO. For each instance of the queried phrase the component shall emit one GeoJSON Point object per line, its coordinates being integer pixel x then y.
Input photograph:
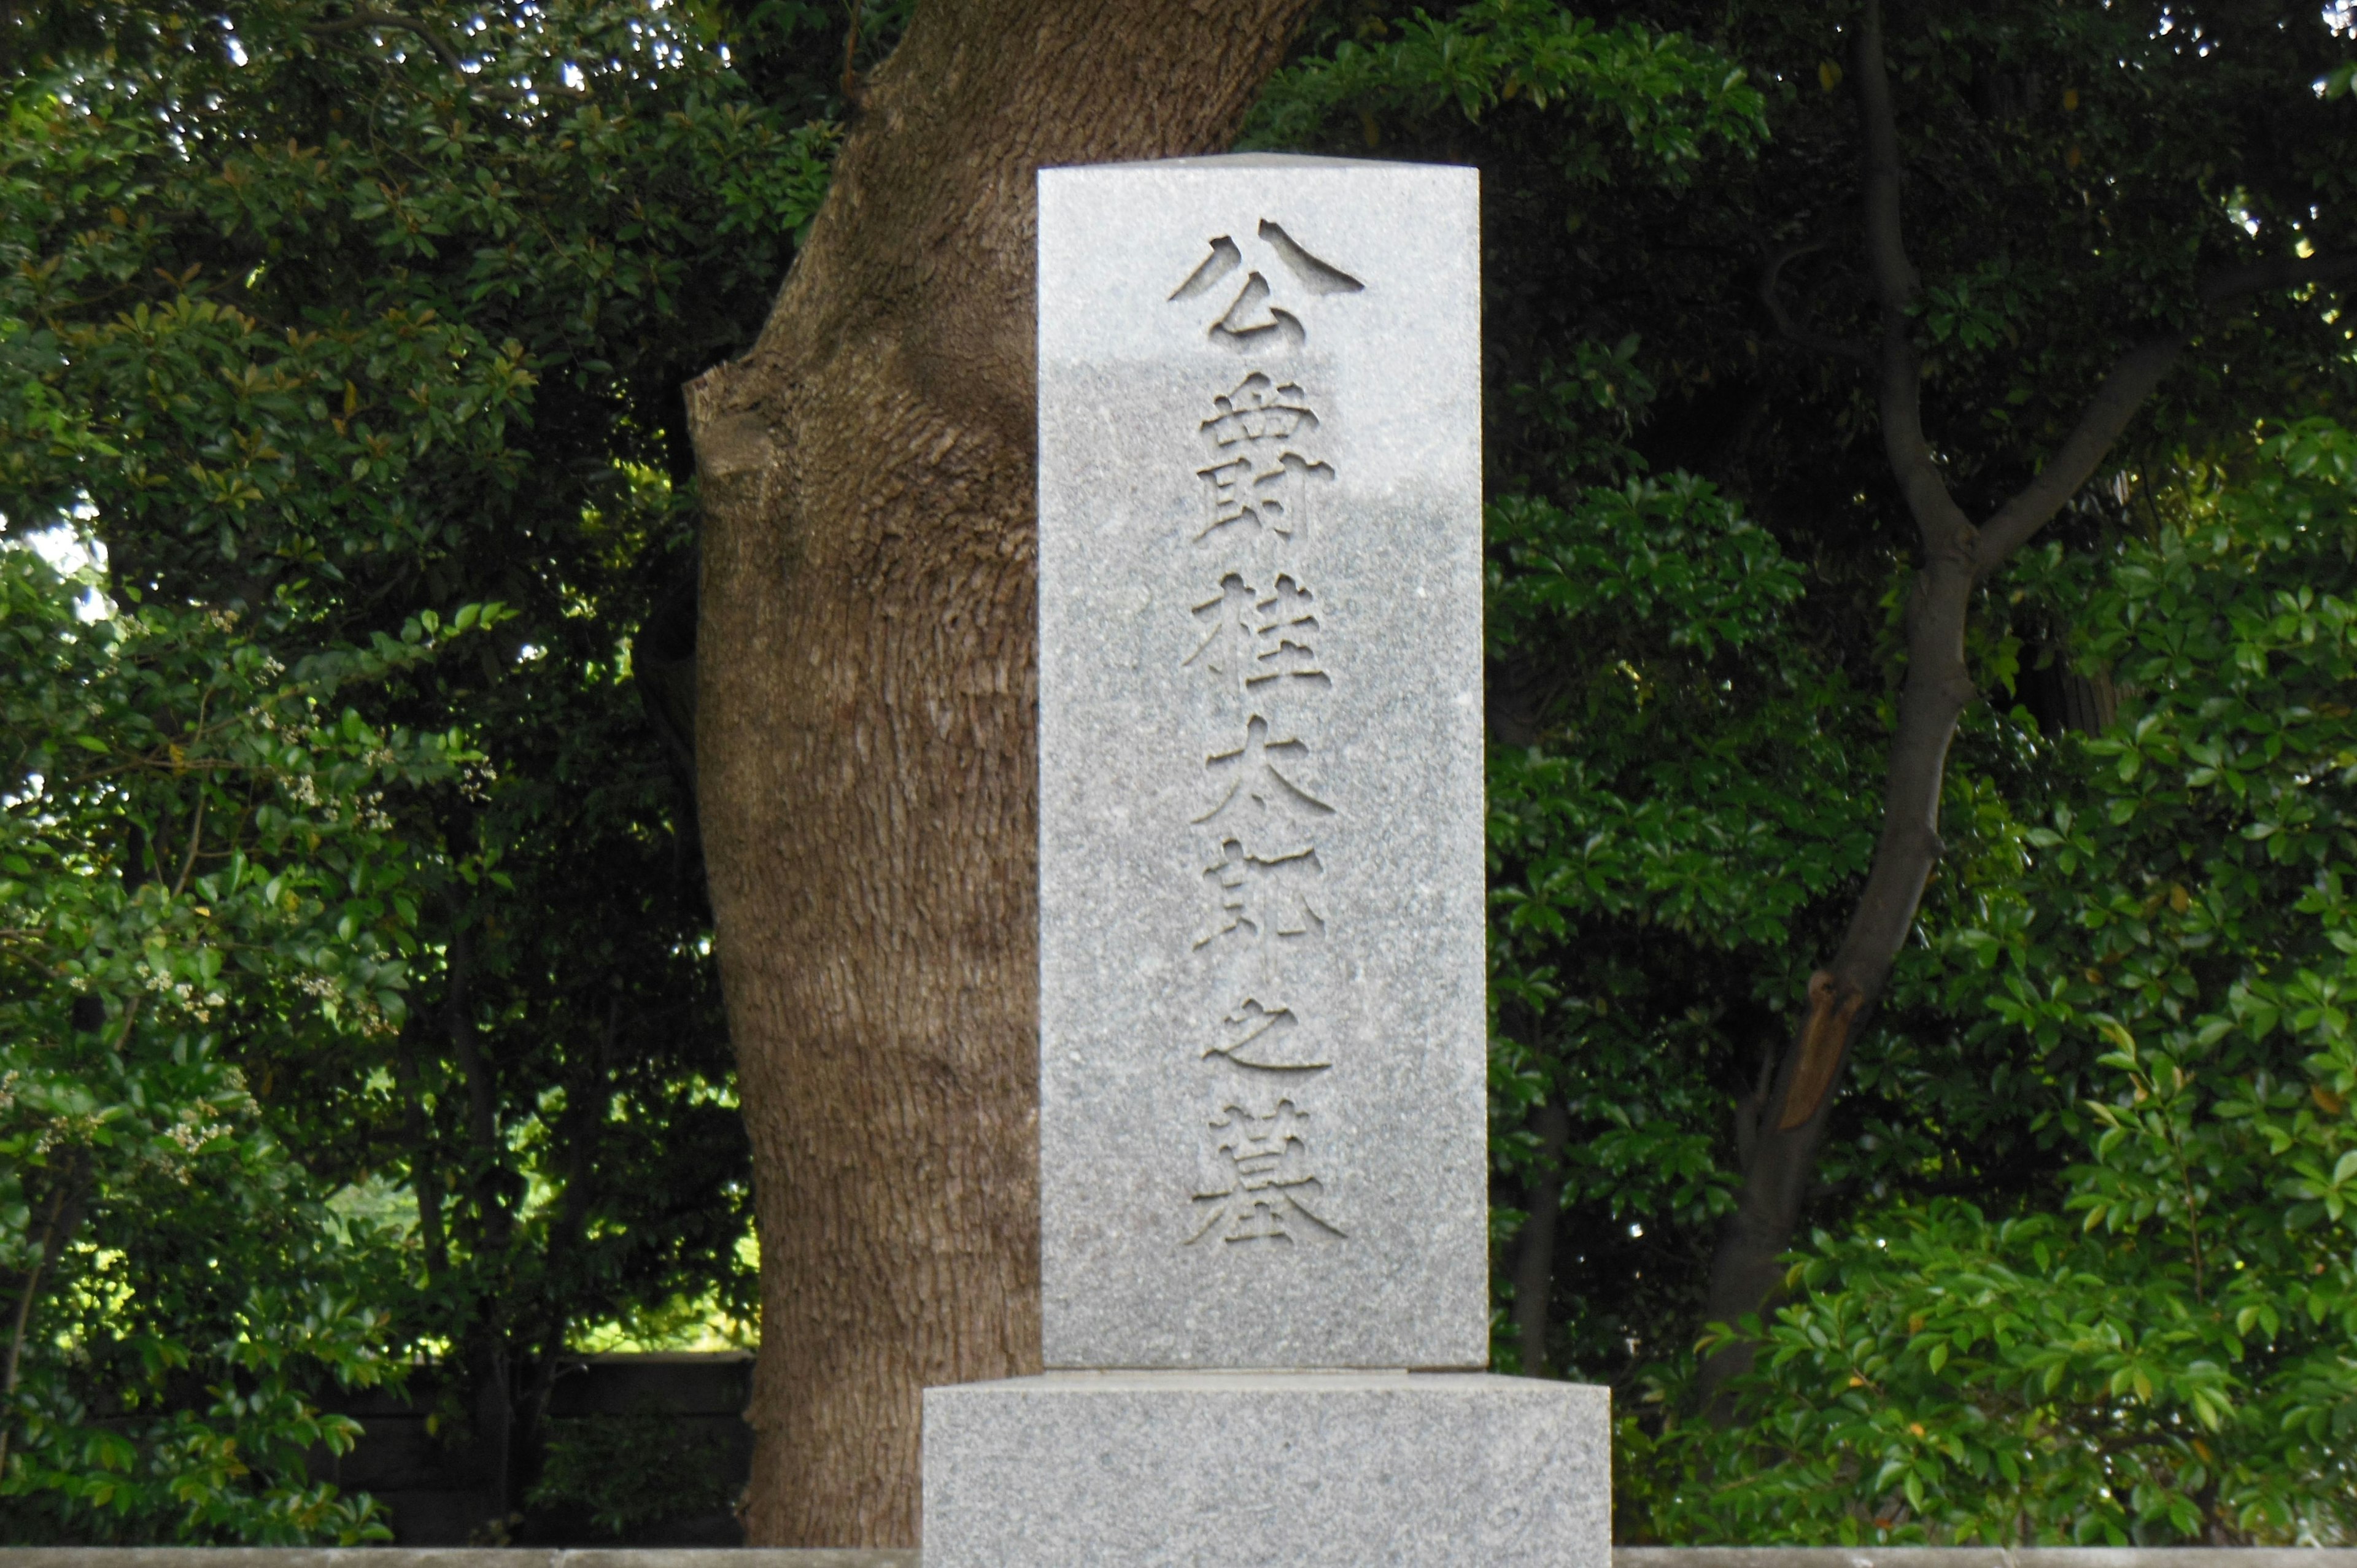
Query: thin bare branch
{"type": "Point", "coordinates": [64, 1215]}
{"type": "Point", "coordinates": [130, 1022]}
{"type": "Point", "coordinates": [1792, 328]}
{"type": "Point", "coordinates": [2288, 272]}
{"type": "Point", "coordinates": [850, 54]}
{"type": "Point", "coordinates": [196, 837]}
{"type": "Point", "coordinates": [42, 1260]}
{"type": "Point", "coordinates": [414, 28]}
{"type": "Point", "coordinates": [418, 31]}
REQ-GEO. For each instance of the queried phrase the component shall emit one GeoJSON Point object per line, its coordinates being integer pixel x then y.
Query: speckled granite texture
{"type": "Point", "coordinates": [1293, 1470]}
{"type": "Point", "coordinates": [1262, 1029]}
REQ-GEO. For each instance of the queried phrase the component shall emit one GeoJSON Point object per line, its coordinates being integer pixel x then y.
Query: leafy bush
{"type": "Point", "coordinates": [2169, 1352]}
{"type": "Point", "coordinates": [190, 844]}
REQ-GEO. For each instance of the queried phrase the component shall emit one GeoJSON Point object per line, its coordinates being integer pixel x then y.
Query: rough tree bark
{"type": "Point", "coordinates": [865, 715]}
{"type": "Point", "coordinates": [1784, 1130]}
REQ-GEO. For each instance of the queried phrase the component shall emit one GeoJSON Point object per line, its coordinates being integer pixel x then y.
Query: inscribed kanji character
{"type": "Point", "coordinates": [1261, 470]}
{"type": "Point", "coordinates": [1232, 634]}
{"type": "Point", "coordinates": [1284, 630]}
{"type": "Point", "coordinates": [1251, 322]}
{"type": "Point", "coordinates": [1250, 640]}
{"type": "Point", "coordinates": [1269, 1038]}
{"type": "Point", "coordinates": [1265, 1187]}
{"type": "Point", "coordinates": [1262, 896]}
{"type": "Point", "coordinates": [1264, 800]}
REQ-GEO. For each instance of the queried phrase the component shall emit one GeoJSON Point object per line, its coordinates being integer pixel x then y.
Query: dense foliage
{"type": "Point", "coordinates": [329, 322]}
{"type": "Point", "coordinates": [1691, 690]}
{"type": "Point", "coordinates": [326, 324]}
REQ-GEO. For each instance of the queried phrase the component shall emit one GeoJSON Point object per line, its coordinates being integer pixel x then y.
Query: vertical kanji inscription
{"type": "Point", "coordinates": [1255, 648]}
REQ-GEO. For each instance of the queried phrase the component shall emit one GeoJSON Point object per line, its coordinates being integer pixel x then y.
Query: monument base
{"type": "Point", "coordinates": [1277, 1469]}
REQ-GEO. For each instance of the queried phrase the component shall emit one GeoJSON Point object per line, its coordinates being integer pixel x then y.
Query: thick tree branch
{"type": "Point", "coordinates": [1791, 1122]}
{"type": "Point", "coordinates": [2115, 402]}
{"type": "Point", "coordinates": [1946, 531]}
{"type": "Point", "coordinates": [1782, 1133]}
{"type": "Point", "coordinates": [2074, 462]}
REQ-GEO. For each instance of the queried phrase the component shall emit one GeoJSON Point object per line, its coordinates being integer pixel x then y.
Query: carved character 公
{"type": "Point", "coordinates": [1251, 322]}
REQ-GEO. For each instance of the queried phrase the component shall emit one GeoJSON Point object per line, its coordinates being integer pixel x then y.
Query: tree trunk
{"type": "Point", "coordinates": [865, 694]}
{"type": "Point", "coordinates": [1534, 1261]}
{"type": "Point", "coordinates": [1955, 556]}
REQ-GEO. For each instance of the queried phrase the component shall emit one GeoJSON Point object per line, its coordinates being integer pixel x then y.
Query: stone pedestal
{"type": "Point", "coordinates": [1274, 1470]}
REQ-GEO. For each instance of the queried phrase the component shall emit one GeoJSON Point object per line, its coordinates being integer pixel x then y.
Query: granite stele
{"type": "Point", "coordinates": [1262, 1182]}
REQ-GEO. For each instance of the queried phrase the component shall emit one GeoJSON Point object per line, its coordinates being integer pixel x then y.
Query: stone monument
{"type": "Point", "coordinates": [1263, 1154]}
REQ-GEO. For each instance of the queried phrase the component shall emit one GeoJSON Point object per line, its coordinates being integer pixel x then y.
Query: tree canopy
{"type": "Point", "coordinates": [324, 341]}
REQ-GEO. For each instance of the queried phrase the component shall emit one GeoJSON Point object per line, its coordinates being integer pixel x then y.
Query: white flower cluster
{"type": "Point", "coordinates": [297, 733]}
{"type": "Point", "coordinates": [358, 1008]}
{"type": "Point", "coordinates": [65, 1129]}
{"type": "Point", "coordinates": [198, 1008]}
{"type": "Point", "coordinates": [475, 781]}
{"type": "Point", "coordinates": [301, 788]}
{"type": "Point", "coordinates": [194, 1129]}
{"type": "Point", "coordinates": [191, 1132]}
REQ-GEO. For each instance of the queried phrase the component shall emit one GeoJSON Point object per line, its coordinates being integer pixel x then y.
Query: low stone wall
{"type": "Point", "coordinates": [1983, 1557]}
{"type": "Point", "coordinates": [437, 1493]}
{"type": "Point", "coordinates": [758, 1557]}
{"type": "Point", "coordinates": [441, 1557]}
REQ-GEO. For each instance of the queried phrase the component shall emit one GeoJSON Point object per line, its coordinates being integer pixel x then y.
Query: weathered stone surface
{"type": "Point", "coordinates": [1262, 1029]}
{"type": "Point", "coordinates": [1307, 1469]}
{"type": "Point", "coordinates": [761, 1557]}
